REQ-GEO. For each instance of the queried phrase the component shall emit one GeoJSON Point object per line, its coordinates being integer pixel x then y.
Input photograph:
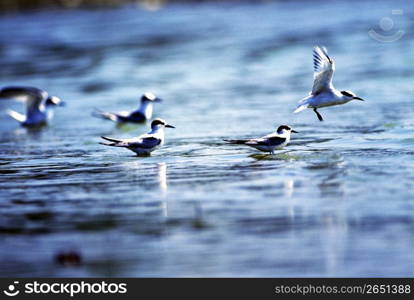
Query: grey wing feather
{"type": "Point", "coordinates": [323, 67]}
{"type": "Point", "coordinates": [143, 141]}
{"type": "Point", "coordinates": [105, 115]}
{"type": "Point", "coordinates": [269, 140]}
{"type": "Point", "coordinates": [146, 142]}
{"type": "Point", "coordinates": [110, 115]}
{"type": "Point", "coordinates": [273, 141]}
{"type": "Point", "coordinates": [31, 95]}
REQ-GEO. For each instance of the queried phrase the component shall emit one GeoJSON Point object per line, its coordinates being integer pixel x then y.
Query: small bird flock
{"type": "Point", "coordinates": [40, 107]}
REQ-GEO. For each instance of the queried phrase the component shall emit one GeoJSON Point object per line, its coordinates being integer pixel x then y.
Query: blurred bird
{"type": "Point", "coordinates": [143, 144]}
{"type": "Point", "coordinates": [323, 93]}
{"type": "Point", "coordinates": [39, 105]}
{"type": "Point", "coordinates": [268, 143]}
{"type": "Point", "coordinates": [143, 113]}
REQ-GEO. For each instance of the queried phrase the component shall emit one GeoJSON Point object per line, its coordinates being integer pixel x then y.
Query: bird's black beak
{"type": "Point", "coordinates": [357, 98]}
{"type": "Point", "coordinates": [294, 131]}
{"type": "Point", "coordinates": [169, 126]}
{"type": "Point", "coordinates": [158, 100]}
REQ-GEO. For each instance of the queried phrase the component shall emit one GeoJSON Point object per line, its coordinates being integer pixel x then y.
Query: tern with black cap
{"type": "Point", "coordinates": [144, 144]}
{"type": "Point", "coordinates": [268, 143]}
{"type": "Point", "coordinates": [39, 105]}
{"type": "Point", "coordinates": [143, 113]}
{"type": "Point", "coordinates": [323, 93]}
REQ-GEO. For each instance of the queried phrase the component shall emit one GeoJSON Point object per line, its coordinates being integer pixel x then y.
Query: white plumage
{"type": "Point", "coordinates": [268, 143]}
{"type": "Point", "coordinates": [143, 113]}
{"type": "Point", "coordinates": [39, 105]}
{"type": "Point", "coordinates": [323, 92]}
{"type": "Point", "coordinates": [145, 143]}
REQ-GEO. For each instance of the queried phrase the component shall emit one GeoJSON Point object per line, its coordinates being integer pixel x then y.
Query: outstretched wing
{"type": "Point", "coordinates": [323, 69]}
{"type": "Point", "coordinates": [32, 96]}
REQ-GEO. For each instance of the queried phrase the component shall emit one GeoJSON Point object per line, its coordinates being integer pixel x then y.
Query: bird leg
{"type": "Point", "coordinates": [318, 114]}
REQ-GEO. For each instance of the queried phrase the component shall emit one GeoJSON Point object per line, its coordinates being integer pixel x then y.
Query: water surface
{"type": "Point", "coordinates": [338, 201]}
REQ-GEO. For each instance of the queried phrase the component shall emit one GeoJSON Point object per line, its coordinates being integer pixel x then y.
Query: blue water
{"type": "Point", "coordinates": [338, 201]}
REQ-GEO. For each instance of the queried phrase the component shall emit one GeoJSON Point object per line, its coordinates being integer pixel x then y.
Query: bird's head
{"type": "Point", "coordinates": [150, 97]}
{"type": "Point", "coordinates": [282, 129]}
{"type": "Point", "coordinates": [54, 101]}
{"type": "Point", "coordinates": [160, 123]}
{"type": "Point", "coordinates": [348, 95]}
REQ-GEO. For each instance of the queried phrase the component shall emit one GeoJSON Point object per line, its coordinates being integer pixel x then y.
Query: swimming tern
{"type": "Point", "coordinates": [268, 143]}
{"type": "Point", "coordinates": [39, 105]}
{"type": "Point", "coordinates": [143, 113]}
{"type": "Point", "coordinates": [144, 144]}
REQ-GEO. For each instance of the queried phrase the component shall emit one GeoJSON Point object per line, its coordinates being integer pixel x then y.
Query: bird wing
{"type": "Point", "coordinates": [109, 115]}
{"type": "Point", "coordinates": [145, 142]}
{"type": "Point", "coordinates": [323, 69]}
{"type": "Point", "coordinates": [268, 140]}
{"type": "Point", "coordinates": [17, 116]}
{"type": "Point", "coordinates": [123, 113]}
{"type": "Point", "coordinates": [33, 97]}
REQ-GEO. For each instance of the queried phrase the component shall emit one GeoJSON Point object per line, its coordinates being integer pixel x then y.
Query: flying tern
{"type": "Point", "coordinates": [323, 93]}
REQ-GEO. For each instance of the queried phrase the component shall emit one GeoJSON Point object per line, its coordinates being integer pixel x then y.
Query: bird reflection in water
{"type": "Point", "coordinates": [162, 176]}
{"type": "Point", "coordinates": [162, 182]}
{"type": "Point", "coordinates": [288, 187]}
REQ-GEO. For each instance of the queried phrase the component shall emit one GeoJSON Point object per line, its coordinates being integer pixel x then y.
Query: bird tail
{"type": "Point", "coordinates": [104, 115]}
{"type": "Point", "coordinates": [108, 144]}
{"type": "Point", "coordinates": [110, 139]}
{"type": "Point", "coordinates": [236, 142]}
{"type": "Point", "coordinates": [114, 142]}
{"type": "Point", "coordinates": [17, 116]}
{"type": "Point", "coordinates": [301, 107]}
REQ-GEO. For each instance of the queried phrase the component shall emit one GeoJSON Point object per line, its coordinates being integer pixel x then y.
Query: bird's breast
{"type": "Point", "coordinates": [326, 99]}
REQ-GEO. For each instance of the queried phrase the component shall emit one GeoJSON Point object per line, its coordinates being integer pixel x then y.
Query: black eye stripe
{"type": "Point", "coordinates": [283, 127]}
{"type": "Point", "coordinates": [157, 122]}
